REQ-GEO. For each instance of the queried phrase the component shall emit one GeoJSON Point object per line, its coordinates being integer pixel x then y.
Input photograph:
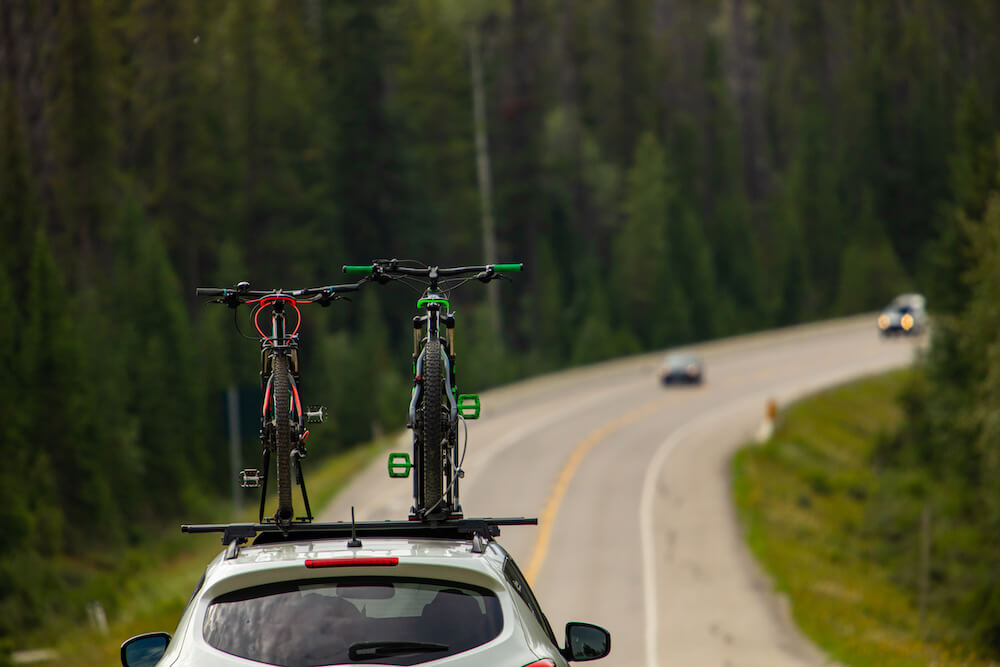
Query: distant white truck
{"type": "Point", "coordinates": [906, 315]}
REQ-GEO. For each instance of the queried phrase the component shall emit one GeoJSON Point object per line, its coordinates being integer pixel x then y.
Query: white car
{"type": "Point", "coordinates": [430, 596]}
{"type": "Point", "coordinates": [906, 315]}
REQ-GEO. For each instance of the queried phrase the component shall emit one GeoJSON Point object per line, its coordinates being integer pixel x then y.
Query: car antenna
{"type": "Point", "coordinates": [355, 542]}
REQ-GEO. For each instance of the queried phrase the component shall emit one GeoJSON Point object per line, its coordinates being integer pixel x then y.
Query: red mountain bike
{"type": "Point", "coordinates": [283, 420]}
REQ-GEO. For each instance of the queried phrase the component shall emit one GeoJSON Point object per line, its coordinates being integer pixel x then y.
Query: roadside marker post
{"type": "Point", "coordinates": [766, 428]}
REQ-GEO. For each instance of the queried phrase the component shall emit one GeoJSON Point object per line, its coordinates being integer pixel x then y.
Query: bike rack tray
{"type": "Point", "coordinates": [265, 533]}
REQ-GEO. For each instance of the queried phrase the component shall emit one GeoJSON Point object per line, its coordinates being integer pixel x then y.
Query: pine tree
{"type": "Point", "coordinates": [650, 300]}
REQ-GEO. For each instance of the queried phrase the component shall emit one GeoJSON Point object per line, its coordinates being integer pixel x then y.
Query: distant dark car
{"type": "Point", "coordinates": [682, 369]}
{"type": "Point", "coordinates": [905, 316]}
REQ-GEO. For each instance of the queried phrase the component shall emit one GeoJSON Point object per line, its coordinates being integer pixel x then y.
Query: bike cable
{"type": "Point", "coordinates": [236, 323]}
{"type": "Point", "coordinates": [451, 462]}
{"type": "Point", "coordinates": [409, 281]}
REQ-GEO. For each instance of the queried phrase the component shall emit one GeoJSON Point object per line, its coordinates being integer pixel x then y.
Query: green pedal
{"type": "Point", "coordinates": [399, 464]}
{"type": "Point", "coordinates": [468, 406]}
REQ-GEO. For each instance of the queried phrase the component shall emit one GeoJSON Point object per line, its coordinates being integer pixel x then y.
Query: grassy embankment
{"type": "Point", "coordinates": [802, 502]}
{"type": "Point", "coordinates": [145, 588]}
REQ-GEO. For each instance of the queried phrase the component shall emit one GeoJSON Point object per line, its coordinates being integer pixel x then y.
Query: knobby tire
{"type": "Point", "coordinates": [283, 447]}
{"type": "Point", "coordinates": [431, 432]}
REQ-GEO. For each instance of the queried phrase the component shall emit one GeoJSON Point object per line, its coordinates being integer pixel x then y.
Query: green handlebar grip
{"type": "Point", "coordinates": [357, 269]}
{"type": "Point", "coordinates": [507, 268]}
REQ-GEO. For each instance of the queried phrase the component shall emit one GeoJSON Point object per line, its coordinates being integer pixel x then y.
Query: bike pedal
{"type": "Point", "coordinates": [251, 478]}
{"type": "Point", "coordinates": [315, 414]}
{"type": "Point", "coordinates": [468, 406]}
{"type": "Point", "coordinates": [399, 464]}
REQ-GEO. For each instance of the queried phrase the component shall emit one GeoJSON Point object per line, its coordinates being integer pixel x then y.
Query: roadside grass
{"type": "Point", "coordinates": [147, 587]}
{"type": "Point", "coordinates": [801, 498]}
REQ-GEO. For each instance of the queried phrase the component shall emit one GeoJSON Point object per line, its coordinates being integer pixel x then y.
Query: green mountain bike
{"type": "Point", "coordinates": [435, 404]}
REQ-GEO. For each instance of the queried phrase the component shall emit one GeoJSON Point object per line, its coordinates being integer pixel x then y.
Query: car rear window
{"type": "Point", "coordinates": [387, 621]}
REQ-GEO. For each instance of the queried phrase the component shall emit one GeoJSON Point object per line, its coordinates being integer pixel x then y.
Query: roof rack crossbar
{"type": "Point", "coordinates": [269, 532]}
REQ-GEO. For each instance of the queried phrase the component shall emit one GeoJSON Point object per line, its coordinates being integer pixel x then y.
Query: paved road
{"type": "Point", "coordinates": [630, 483]}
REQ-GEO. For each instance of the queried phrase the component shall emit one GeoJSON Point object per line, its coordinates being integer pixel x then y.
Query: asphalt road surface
{"type": "Point", "coordinates": [630, 483]}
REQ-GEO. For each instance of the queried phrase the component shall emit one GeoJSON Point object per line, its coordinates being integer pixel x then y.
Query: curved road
{"type": "Point", "coordinates": [631, 486]}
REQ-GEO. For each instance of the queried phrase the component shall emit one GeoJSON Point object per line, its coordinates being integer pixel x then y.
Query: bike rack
{"type": "Point", "coordinates": [236, 534]}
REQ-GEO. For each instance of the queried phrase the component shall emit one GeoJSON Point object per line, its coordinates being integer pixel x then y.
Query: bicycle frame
{"type": "Point", "coordinates": [280, 342]}
{"type": "Point", "coordinates": [437, 315]}
{"type": "Point", "coordinates": [275, 344]}
{"type": "Point", "coordinates": [434, 301]}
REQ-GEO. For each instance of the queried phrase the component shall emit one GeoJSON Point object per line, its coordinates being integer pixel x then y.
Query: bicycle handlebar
{"type": "Point", "coordinates": [358, 269]}
{"type": "Point", "coordinates": [390, 267]}
{"type": "Point", "coordinates": [224, 292]}
{"type": "Point", "coordinates": [330, 289]}
{"type": "Point", "coordinates": [242, 293]}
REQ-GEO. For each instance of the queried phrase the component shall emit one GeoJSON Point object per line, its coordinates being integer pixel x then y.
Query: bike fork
{"type": "Point", "coordinates": [297, 468]}
{"type": "Point", "coordinates": [265, 466]}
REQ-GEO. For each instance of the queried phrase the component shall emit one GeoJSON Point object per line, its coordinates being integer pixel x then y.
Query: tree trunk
{"type": "Point", "coordinates": [483, 172]}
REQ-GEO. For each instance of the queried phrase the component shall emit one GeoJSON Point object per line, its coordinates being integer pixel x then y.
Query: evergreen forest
{"type": "Point", "coordinates": [669, 171]}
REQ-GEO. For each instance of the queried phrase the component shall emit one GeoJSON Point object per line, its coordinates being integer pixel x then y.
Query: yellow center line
{"type": "Point", "coordinates": [547, 519]}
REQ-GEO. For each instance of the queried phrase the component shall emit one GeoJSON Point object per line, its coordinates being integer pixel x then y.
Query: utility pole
{"type": "Point", "coordinates": [235, 438]}
{"type": "Point", "coordinates": [483, 172]}
{"type": "Point", "coordinates": [925, 565]}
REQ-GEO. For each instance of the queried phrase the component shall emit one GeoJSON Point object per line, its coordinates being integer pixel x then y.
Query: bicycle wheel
{"type": "Point", "coordinates": [282, 397]}
{"type": "Point", "coordinates": [431, 432]}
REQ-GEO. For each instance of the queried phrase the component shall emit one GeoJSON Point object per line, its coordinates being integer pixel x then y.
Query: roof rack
{"type": "Point", "coordinates": [265, 533]}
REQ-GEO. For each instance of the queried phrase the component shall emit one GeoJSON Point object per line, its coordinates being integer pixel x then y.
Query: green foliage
{"type": "Point", "coordinates": [667, 173]}
{"type": "Point", "coordinates": [483, 361]}
{"type": "Point", "coordinates": [809, 500]}
{"type": "Point", "coordinates": [641, 258]}
{"type": "Point", "coordinates": [870, 271]}
{"type": "Point", "coordinates": [946, 455]}
{"type": "Point", "coordinates": [599, 338]}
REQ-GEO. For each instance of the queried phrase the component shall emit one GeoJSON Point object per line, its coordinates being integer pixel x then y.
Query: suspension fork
{"type": "Point", "coordinates": [432, 319]}
{"type": "Point", "coordinates": [434, 330]}
{"type": "Point", "coordinates": [449, 323]}
{"type": "Point", "coordinates": [268, 351]}
{"type": "Point", "coordinates": [268, 346]}
{"type": "Point", "coordinates": [278, 321]}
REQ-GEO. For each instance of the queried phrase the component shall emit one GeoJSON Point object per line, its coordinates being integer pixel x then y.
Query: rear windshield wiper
{"type": "Point", "coordinates": [369, 650]}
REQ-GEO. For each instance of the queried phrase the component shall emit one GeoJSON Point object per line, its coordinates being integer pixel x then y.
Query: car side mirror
{"type": "Point", "coordinates": [144, 650]}
{"type": "Point", "coordinates": [586, 642]}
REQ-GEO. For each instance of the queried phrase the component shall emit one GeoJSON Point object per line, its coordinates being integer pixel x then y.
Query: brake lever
{"type": "Point", "coordinates": [326, 299]}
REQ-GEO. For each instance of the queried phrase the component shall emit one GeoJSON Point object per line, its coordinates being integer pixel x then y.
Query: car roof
{"type": "Point", "coordinates": [417, 549]}
{"type": "Point", "coordinates": [432, 559]}
{"type": "Point", "coordinates": [912, 300]}
{"type": "Point", "coordinates": [682, 358]}
{"type": "Point", "coordinates": [461, 550]}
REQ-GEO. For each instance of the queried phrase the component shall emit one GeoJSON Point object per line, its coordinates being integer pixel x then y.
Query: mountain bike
{"type": "Point", "coordinates": [283, 430]}
{"type": "Point", "coordinates": [435, 404]}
